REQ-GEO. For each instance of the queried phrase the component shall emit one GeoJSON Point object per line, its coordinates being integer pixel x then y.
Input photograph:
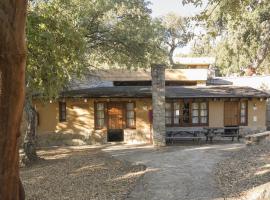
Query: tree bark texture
{"type": "Point", "coordinates": [12, 73]}
{"type": "Point", "coordinates": [172, 48]}
{"type": "Point", "coordinates": [264, 48]}
{"type": "Point", "coordinates": [29, 143]}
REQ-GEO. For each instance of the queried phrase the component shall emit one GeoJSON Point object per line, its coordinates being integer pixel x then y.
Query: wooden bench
{"type": "Point", "coordinates": [172, 136]}
{"type": "Point", "coordinates": [257, 137]}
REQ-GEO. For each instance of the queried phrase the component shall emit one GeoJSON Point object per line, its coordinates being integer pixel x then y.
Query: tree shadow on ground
{"type": "Point", "coordinates": [79, 173]}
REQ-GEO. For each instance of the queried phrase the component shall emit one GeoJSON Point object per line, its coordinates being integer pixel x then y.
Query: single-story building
{"type": "Point", "coordinates": [140, 107]}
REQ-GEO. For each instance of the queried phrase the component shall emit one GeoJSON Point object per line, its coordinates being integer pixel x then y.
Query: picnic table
{"type": "Point", "coordinates": [194, 135]}
{"type": "Point", "coordinates": [211, 132]}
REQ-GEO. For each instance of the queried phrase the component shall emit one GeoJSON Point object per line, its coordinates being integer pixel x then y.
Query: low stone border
{"type": "Point", "coordinates": [257, 138]}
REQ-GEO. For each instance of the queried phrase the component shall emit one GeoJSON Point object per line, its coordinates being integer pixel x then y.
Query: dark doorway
{"type": "Point", "coordinates": [115, 135]}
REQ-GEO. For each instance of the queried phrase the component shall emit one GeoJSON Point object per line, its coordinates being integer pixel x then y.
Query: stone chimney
{"type": "Point", "coordinates": [158, 104]}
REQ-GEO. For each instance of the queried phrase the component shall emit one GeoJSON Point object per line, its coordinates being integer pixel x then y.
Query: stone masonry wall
{"type": "Point", "coordinates": [158, 104]}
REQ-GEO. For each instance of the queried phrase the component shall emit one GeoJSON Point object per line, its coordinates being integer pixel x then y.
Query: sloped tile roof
{"type": "Point", "coordinates": [171, 92]}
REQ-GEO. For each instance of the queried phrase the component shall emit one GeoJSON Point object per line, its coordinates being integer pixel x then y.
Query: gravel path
{"type": "Point", "coordinates": [79, 173]}
{"type": "Point", "coordinates": [176, 172]}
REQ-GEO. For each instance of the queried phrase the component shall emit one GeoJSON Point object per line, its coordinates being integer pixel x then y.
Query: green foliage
{"type": "Point", "coordinates": [241, 33]}
{"type": "Point", "coordinates": [121, 33]}
{"type": "Point", "coordinates": [66, 37]}
{"type": "Point", "coordinates": [56, 48]}
{"type": "Point", "coordinates": [176, 33]}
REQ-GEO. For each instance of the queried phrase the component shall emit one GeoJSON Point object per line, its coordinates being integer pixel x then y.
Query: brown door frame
{"type": "Point", "coordinates": [109, 105]}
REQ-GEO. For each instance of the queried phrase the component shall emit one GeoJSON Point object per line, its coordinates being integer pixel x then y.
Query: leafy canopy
{"type": "Point", "coordinates": [241, 33]}
{"type": "Point", "coordinates": [66, 37]}
{"type": "Point", "coordinates": [56, 48]}
{"type": "Point", "coordinates": [176, 33]}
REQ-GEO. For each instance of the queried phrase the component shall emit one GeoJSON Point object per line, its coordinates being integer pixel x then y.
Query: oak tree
{"type": "Point", "coordinates": [241, 28]}
{"type": "Point", "coordinates": [12, 72]}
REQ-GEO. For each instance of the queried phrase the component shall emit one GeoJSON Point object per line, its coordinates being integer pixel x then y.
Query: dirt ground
{"type": "Point", "coordinates": [181, 172]}
{"type": "Point", "coordinates": [184, 172]}
{"type": "Point", "coordinates": [81, 173]}
{"type": "Point", "coordinates": [244, 170]}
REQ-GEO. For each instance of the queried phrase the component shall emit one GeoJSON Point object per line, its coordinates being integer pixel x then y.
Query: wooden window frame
{"type": "Point", "coordinates": [207, 117]}
{"type": "Point", "coordinates": [172, 124]}
{"type": "Point", "coordinates": [105, 112]}
{"type": "Point", "coordinates": [191, 113]}
{"type": "Point", "coordinates": [181, 122]}
{"type": "Point", "coordinates": [62, 112]}
{"type": "Point", "coordinates": [190, 124]}
{"type": "Point", "coordinates": [246, 113]}
{"type": "Point", "coordinates": [126, 117]}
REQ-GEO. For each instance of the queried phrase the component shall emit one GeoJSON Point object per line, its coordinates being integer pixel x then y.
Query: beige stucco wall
{"type": "Point", "coordinates": [79, 116]}
{"type": "Point", "coordinates": [142, 133]}
{"type": "Point", "coordinates": [257, 114]}
{"type": "Point", "coordinates": [79, 126]}
{"type": "Point", "coordinates": [216, 115]}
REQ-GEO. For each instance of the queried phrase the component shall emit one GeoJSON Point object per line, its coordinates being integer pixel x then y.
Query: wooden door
{"type": "Point", "coordinates": [115, 116]}
{"type": "Point", "coordinates": [231, 113]}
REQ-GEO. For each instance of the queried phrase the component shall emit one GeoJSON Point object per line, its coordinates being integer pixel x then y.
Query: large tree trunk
{"type": "Point", "coordinates": [264, 48]}
{"type": "Point", "coordinates": [172, 64]}
{"type": "Point", "coordinates": [29, 143]}
{"type": "Point", "coordinates": [12, 72]}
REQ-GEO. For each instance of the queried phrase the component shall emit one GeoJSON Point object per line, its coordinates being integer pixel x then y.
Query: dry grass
{"type": "Point", "coordinates": [79, 173]}
{"type": "Point", "coordinates": [244, 170]}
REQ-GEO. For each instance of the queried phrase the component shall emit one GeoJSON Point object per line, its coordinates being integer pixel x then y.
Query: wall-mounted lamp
{"type": "Point", "coordinates": [85, 100]}
{"type": "Point", "coordinates": [50, 101]}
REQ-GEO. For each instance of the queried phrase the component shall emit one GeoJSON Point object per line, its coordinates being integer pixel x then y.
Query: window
{"type": "Point", "coordinates": [168, 113]}
{"type": "Point", "coordinates": [100, 115]}
{"type": "Point", "coordinates": [243, 113]}
{"type": "Point", "coordinates": [130, 108]}
{"type": "Point", "coordinates": [172, 113]}
{"type": "Point", "coordinates": [62, 112]}
{"type": "Point", "coordinates": [176, 113]}
{"type": "Point", "coordinates": [199, 113]}
{"type": "Point", "coordinates": [195, 113]}
{"type": "Point", "coordinates": [203, 113]}
{"type": "Point", "coordinates": [186, 113]}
